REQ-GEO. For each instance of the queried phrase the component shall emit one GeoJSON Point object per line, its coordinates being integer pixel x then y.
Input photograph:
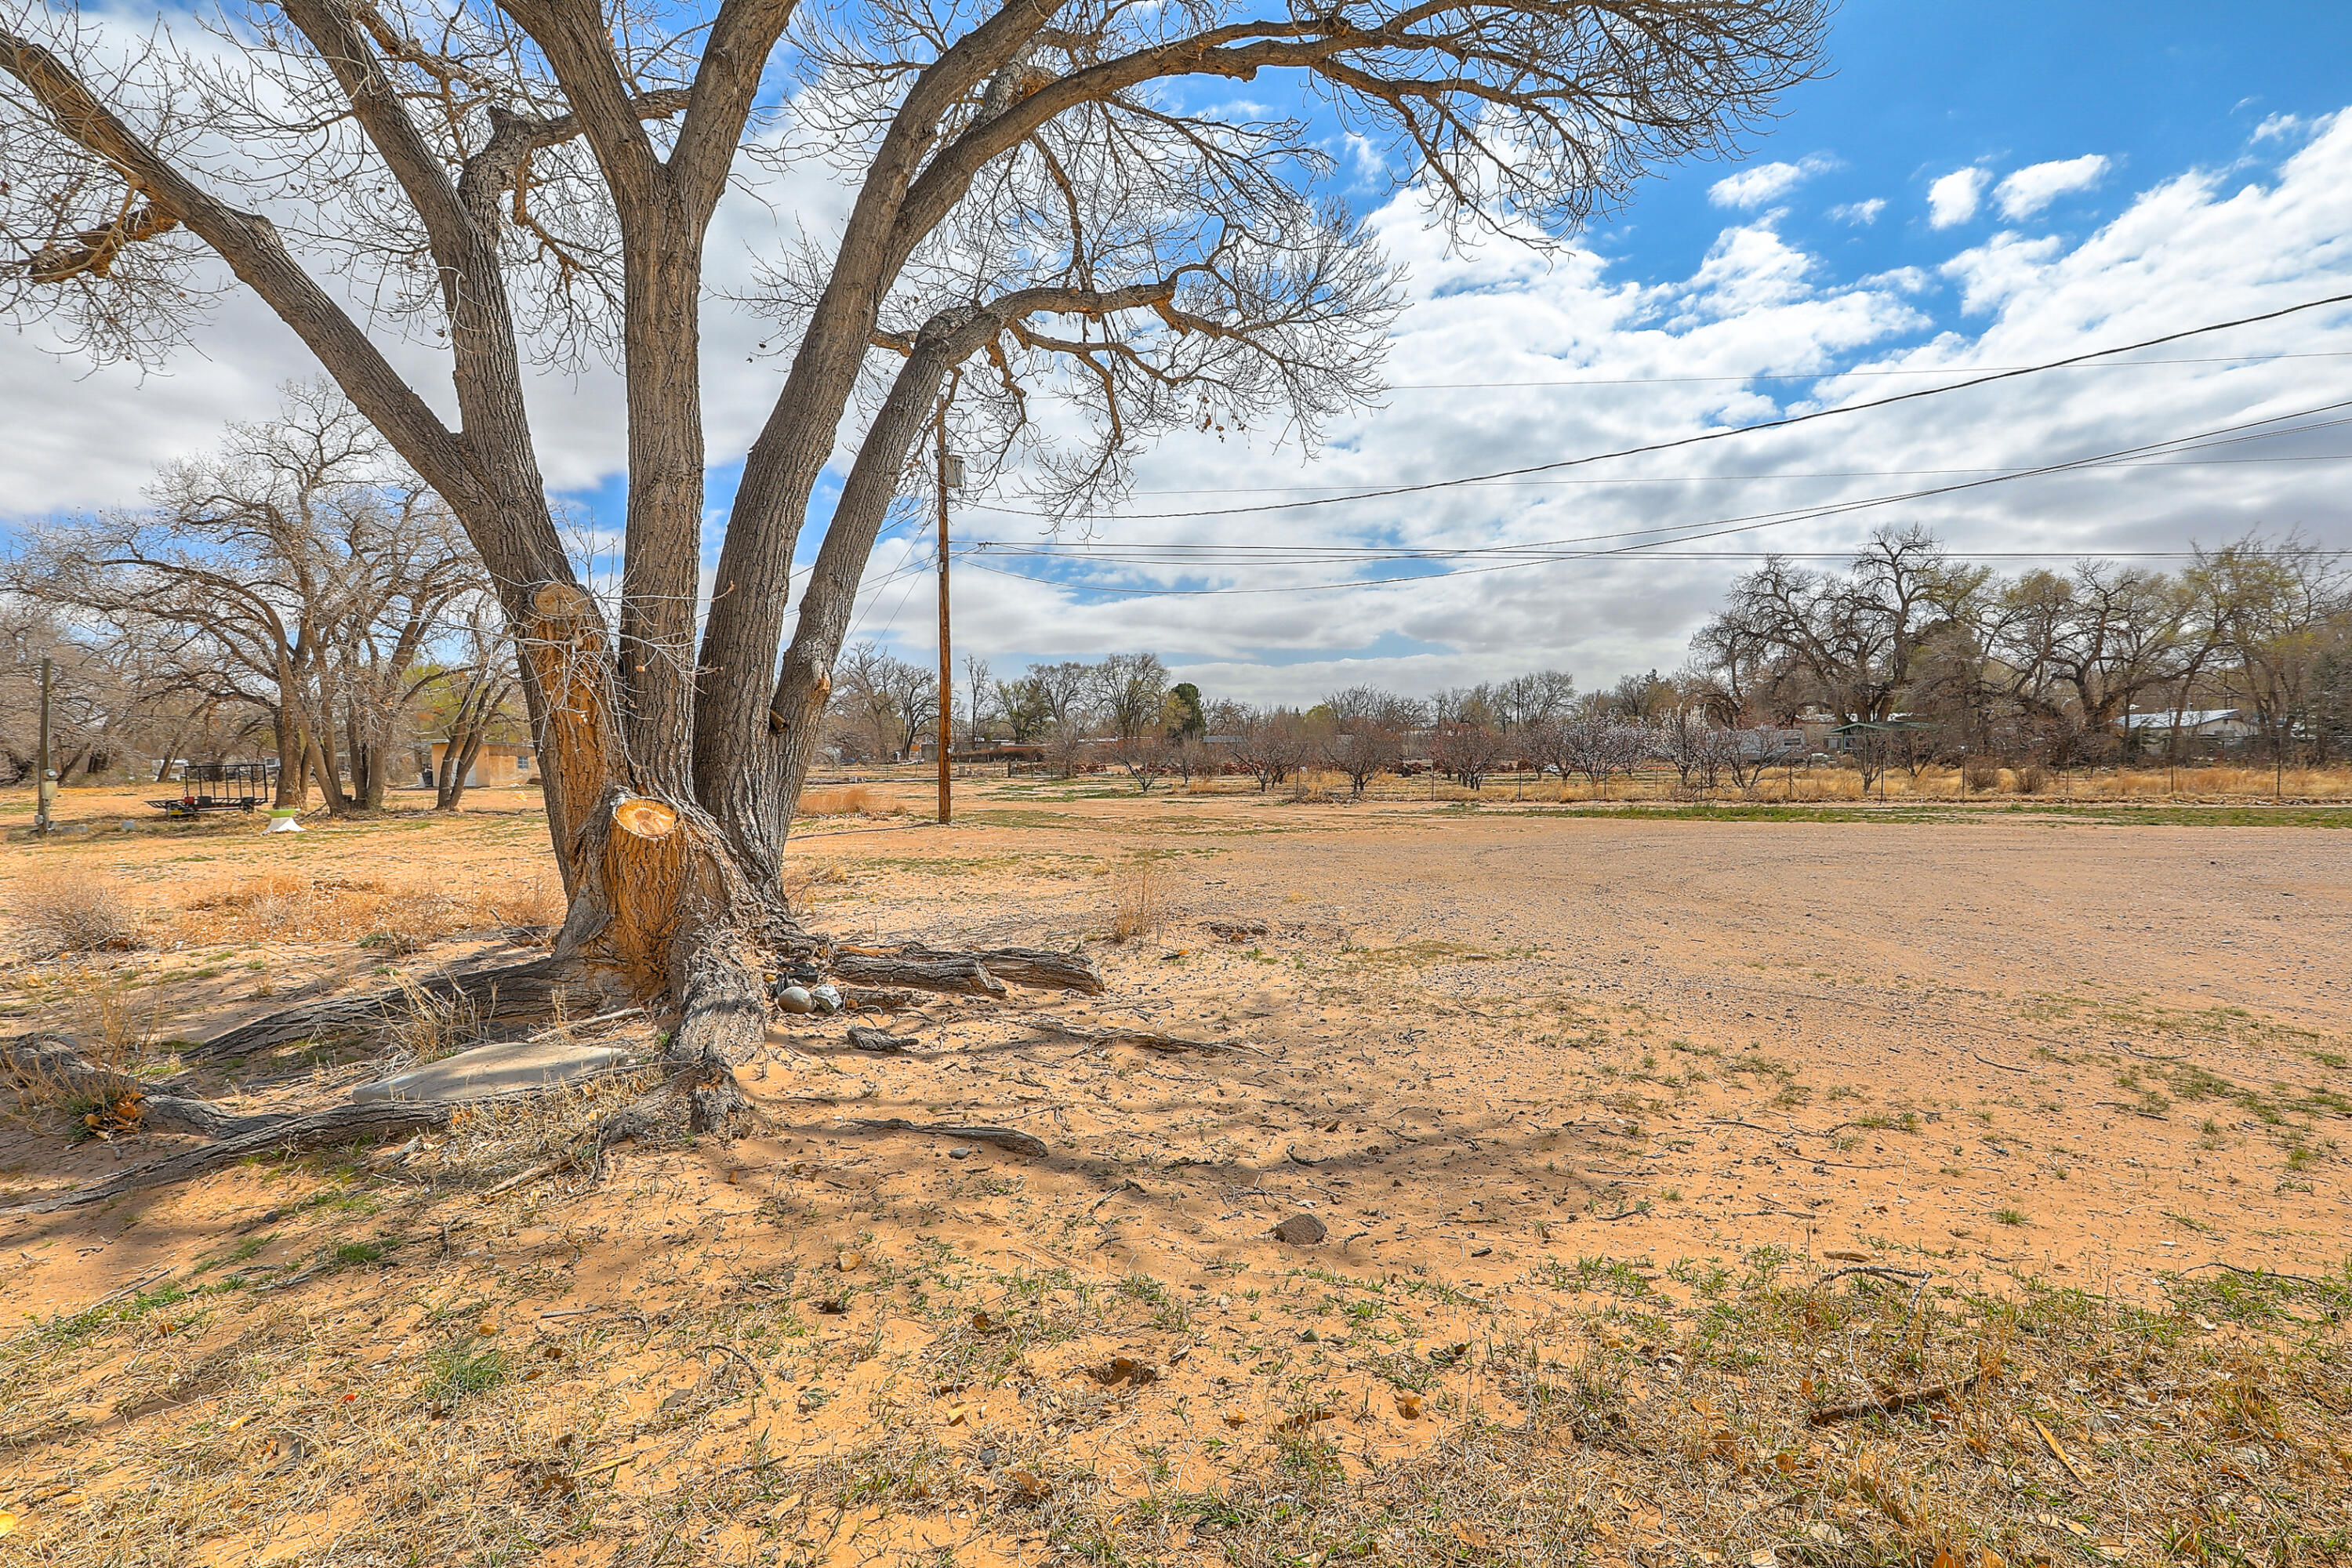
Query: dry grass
{"type": "Point", "coordinates": [73, 912]}
{"type": "Point", "coordinates": [848, 800]}
{"type": "Point", "coordinates": [1679, 1417]}
{"type": "Point", "coordinates": [398, 917]}
{"type": "Point", "coordinates": [1140, 895]}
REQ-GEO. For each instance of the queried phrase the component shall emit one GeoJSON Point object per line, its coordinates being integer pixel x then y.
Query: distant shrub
{"type": "Point", "coordinates": [74, 912]}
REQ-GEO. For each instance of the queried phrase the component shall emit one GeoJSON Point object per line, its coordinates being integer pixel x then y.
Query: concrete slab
{"type": "Point", "coordinates": [496, 1068]}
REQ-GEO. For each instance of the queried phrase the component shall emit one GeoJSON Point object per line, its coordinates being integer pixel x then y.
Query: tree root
{"type": "Point", "coordinates": [284, 1134]}
{"type": "Point", "coordinates": [121, 1103]}
{"type": "Point", "coordinates": [1019, 1143]}
{"type": "Point", "coordinates": [506, 994]}
{"type": "Point", "coordinates": [706, 1088]}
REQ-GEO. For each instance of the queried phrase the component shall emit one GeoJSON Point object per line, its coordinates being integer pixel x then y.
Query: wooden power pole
{"type": "Point", "coordinates": [950, 476]}
{"type": "Point", "coordinates": [45, 788]}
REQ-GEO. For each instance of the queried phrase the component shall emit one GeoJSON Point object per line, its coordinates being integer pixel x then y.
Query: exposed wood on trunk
{"type": "Point", "coordinates": [1149, 1039]}
{"type": "Point", "coordinates": [319, 1130]}
{"type": "Point", "coordinates": [1042, 967]}
{"type": "Point", "coordinates": [1019, 1143]}
{"type": "Point", "coordinates": [962, 973]}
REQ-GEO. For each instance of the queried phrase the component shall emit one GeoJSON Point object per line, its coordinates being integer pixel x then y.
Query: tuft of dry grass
{"type": "Point", "coordinates": [398, 917]}
{"type": "Point", "coordinates": [1140, 895]}
{"type": "Point", "coordinates": [74, 912]}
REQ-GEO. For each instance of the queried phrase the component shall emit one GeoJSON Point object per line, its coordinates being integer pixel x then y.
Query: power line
{"type": "Point", "coordinates": [1677, 443]}
{"type": "Point", "coordinates": [1691, 532]}
{"type": "Point", "coordinates": [2224, 436]}
{"type": "Point", "coordinates": [1835, 375]}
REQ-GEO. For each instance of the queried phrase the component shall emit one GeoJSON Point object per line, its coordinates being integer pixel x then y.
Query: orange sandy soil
{"type": "Point", "coordinates": [1506, 1057]}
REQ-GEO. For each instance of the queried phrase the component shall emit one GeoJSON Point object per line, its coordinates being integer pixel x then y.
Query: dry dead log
{"type": "Point", "coordinates": [1039, 967]}
{"type": "Point", "coordinates": [504, 994]}
{"type": "Point", "coordinates": [880, 1040]}
{"type": "Point", "coordinates": [874, 999]}
{"type": "Point", "coordinates": [961, 972]}
{"type": "Point", "coordinates": [1018, 1142]}
{"type": "Point", "coordinates": [1147, 1039]}
{"type": "Point", "coordinates": [286, 1135]}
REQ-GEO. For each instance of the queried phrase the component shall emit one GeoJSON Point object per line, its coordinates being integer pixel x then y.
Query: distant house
{"type": "Point", "coordinates": [500, 764]}
{"type": "Point", "coordinates": [2214, 726]}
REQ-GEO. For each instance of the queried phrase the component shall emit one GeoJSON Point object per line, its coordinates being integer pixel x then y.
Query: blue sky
{"type": "Point", "coordinates": [1967, 185]}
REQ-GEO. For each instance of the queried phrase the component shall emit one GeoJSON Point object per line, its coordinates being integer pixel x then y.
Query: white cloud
{"type": "Point", "coordinates": [1953, 199]}
{"type": "Point", "coordinates": [1766, 182]}
{"type": "Point", "coordinates": [2036, 186]}
{"type": "Point", "coordinates": [2276, 126]}
{"type": "Point", "coordinates": [1860, 214]}
{"type": "Point", "coordinates": [1640, 360]}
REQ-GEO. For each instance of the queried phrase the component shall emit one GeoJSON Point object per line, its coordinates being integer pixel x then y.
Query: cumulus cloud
{"type": "Point", "coordinates": [1766, 182]}
{"type": "Point", "coordinates": [1953, 199]}
{"type": "Point", "coordinates": [1505, 360]}
{"type": "Point", "coordinates": [1861, 213]}
{"type": "Point", "coordinates": [2036, 186]}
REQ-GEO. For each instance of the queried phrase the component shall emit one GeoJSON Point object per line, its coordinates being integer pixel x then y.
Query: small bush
{"type": "Point", "coordinates": [1141, 891]}
{"type": "Point", "coordinates": [1978, 775]}
{"type": "Point", "coordinates": [2032, 778]}
{"type": "Point", "coordinates": [73, 913]}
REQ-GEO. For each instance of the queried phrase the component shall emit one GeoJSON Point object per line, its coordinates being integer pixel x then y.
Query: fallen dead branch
{"type": "Point", "coordinates": [1149, 1039]}
{"type": "Point", "coordinates": [960, 973]}
{"type": "Point", "coordinates": [880, 1040]}
{"type": "Point", "coordinates": [875, 999]}
{"type": "Point", "coordinates": [1892, 1402]}
{"type": "Point", "coordinates": [1010, 1138]}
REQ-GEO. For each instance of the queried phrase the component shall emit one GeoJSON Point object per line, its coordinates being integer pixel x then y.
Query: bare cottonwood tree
{"type": "Point", "coordinates": [302, 571]}
{"type": "Point", "coordinates": [1042, 207]}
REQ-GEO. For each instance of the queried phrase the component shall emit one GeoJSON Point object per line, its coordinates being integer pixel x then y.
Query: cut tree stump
{"type": "Point", "coordinates": [962, 973]}
{"type": "Point", "coordinates": [1018, 1142]}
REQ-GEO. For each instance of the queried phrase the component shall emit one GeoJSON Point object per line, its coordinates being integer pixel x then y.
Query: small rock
{"type": "Point", "coordinates": [1302, 1230]}
{"type": "Point", "coordinates": [850, 1262]}
{"type": "Point", "coordinates": [958, 1154]}
{"type": "Point", "coordinates": [1481, 1251]}
{"type": "Point", "coordinates": [795, 999]}
{"type": "Point", "coordinates": [1308, 1336]}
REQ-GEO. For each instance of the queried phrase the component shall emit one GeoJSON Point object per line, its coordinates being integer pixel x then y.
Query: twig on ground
{"type": "Point", "coordinates": [2002, 1065]}
{"type": "Point", "coordinates": [1010, 1138]}
{"type": "Point", "coordinates": [1890, 1402]}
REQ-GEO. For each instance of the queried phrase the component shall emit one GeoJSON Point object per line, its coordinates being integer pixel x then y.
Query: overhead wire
{"type": "Point", "coordinates": [1702, 437]}
{"type": "Point", "coordinates": [1554, 551]}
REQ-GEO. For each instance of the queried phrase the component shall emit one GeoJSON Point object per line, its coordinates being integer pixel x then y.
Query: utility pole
{"type": "Point", "coordinates": [45, 789]}
{"type": "Point", "coordinates": [950, 476]}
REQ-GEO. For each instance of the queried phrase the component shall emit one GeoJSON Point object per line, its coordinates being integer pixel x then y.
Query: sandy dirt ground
{"type": "Point", "coordinates": [1499, 1054]}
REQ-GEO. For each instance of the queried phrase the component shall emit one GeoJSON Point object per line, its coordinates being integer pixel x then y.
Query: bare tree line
{"type": "Point", "coordinates": [299, 592]}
